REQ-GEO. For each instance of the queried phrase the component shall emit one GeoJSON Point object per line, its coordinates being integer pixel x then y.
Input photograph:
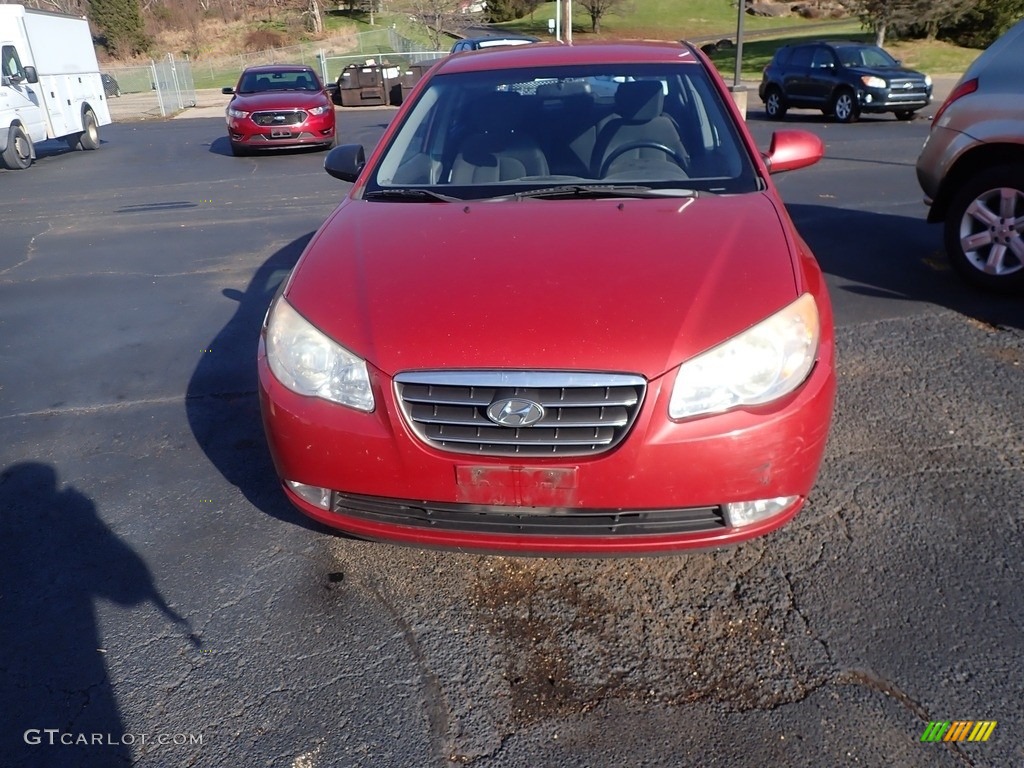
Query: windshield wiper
{"type": "Point", "coordinates": [600, 191]}
{"type": "Point", "coordinates": [408, 195]}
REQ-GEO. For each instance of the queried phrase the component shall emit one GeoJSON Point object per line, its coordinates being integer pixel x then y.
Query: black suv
{"type": "Point", "coordinates": [842, 79]}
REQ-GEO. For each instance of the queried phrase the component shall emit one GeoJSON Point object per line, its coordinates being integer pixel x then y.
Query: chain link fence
{"type": "Point", "coordinates": [157, 89]}
{"type": "Point", "coordinates": [168, 85]}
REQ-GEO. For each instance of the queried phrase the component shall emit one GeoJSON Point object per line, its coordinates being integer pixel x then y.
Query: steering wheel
{"type": "Point", "coordinates": [679, 159]}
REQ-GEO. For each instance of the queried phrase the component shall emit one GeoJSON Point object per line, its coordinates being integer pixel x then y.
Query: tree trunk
{"type": "Point", "coordinates": [880, 29]}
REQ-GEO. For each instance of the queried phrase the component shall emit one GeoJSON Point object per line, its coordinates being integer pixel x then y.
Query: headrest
{"type": "Point", "coordinates": [639, 100]}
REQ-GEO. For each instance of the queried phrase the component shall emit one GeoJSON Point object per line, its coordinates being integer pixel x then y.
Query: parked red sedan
{"type": "Point", "coordinates": [561, 310]}
{"type": "Point", "coordinates": [279, 106]}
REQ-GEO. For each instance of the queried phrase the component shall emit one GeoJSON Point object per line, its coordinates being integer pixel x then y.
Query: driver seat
{"type": "Point", "coordinates": [638, 118]}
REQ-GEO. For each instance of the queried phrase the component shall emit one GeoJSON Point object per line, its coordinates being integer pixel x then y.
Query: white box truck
{"type": "Point", "coordinates": [50, 84]}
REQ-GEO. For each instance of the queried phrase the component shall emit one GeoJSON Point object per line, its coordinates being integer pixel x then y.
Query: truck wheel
{"type": "Point", "coordinates": [18, 155]}
{"type": "Point", "coordinates": [984, 237]}
{"type": "Point", "coordinates": [90, 138]}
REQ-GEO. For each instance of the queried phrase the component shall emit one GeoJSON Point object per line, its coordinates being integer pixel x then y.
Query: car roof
{"type": "Point", "coordinates": [496, 38]}
{"type": "Point", "coordinates": [558, 54]}
{"type": "Point", "coordinates": [270, 68]}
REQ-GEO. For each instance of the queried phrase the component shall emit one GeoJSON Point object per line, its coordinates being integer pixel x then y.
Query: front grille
{"type": "Point", "coordinates": [280, 117]}
{"type": "Point", "coordinates": [483, 519]}
{"type": "Point", "coordinates": [584, 413]}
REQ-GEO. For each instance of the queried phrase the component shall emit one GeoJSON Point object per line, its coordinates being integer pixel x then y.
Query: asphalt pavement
{"type": "Point", "coordinates": [162, 605]}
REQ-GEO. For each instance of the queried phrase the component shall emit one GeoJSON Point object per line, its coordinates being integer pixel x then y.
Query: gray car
{"type": "Point", "coordinates": [971, 168]}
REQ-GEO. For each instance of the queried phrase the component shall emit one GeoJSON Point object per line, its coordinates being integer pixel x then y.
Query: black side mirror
{"type": "Point", "coordinates": [227, 90]}
{"type": "Point", "coordinates": [30, 75]}
{"type": "Point", "coordinates": [345, 162]}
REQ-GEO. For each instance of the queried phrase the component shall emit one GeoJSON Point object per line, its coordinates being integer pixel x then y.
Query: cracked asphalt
{"type": "Point", "coordinates": [154, 583]}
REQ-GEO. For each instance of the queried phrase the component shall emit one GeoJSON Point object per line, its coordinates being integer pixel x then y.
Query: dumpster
{"type": "Point", "coordinates": [361, 85]}
{"type": "Point", "coordinates": [407, 77]}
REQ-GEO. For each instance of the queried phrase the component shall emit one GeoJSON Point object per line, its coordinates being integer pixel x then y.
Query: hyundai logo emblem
{"type": "Point", "coordinates": [515, 412]}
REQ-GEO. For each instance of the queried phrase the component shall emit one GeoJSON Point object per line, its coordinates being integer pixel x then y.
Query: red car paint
{"type": "Point", "coordinates": [634, 285]}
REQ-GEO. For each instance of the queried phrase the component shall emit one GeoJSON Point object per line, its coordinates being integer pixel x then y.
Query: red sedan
{"type": "Point", "coordinates": [278, 106]}
{"type": "Point", "coordinates": [562, 310]}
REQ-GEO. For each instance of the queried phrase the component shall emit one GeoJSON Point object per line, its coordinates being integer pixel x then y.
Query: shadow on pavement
{"type": "Point", "coordinates": [897, 257]}
{"type": "Point", "coordinates": [58, 704]}
{"type": "Point", "coordinates": [222, 402]}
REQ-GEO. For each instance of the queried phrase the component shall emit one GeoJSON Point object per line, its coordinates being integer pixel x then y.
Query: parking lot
{"type": "Point", "coordinates": [156, 584]}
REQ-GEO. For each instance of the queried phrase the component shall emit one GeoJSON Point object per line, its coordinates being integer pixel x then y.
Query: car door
{"type": "Point", "coordinates": [796, 77]}
{"type": "Point", "coordinates": [822, 76]}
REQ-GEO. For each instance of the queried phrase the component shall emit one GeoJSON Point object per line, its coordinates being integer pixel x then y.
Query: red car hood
{"type": "Point", "coordinates": [631, 286]}
{"type": "Point", "coordinates": [255, 102]}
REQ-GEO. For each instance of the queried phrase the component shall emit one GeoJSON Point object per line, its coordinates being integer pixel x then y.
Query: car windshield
{"type": "Point", "coordinates": [645, 129]}
{"type": "Point", "coordinates": [865, 56]}
{"type": "Point", "coordinates": [258, 82]}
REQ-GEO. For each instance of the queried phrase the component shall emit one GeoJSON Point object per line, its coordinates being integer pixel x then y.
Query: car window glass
{"type": "Point", "coordinates": [801, 57]}
{"type": "Point", "coordinates": [822, 58]}
{"type": "Point", "coordinates": [10, 61]}
{"type": "Point", "coordinates": [659, 125]}
{"type": "Point", "coordinates": [259, 82]}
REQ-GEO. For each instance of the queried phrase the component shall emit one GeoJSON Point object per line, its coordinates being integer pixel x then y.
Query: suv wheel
{"type": "Point", "coordinates": [844, 106]}
{"type": "Point", "coordinates": [774, 104]}
{"type": "Point", "coordinates": [985, 229]}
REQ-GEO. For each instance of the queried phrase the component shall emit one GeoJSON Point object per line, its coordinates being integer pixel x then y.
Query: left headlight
{"type": "Point", "coordinates": [309, 363]}
{"type": "Point", "coordinates": [237, 113]}
{"type": "Point", "coordinates": [317, 110]}
{"type": "Point", "coordinates": [871, 81]}
{"type": "Point", "coordinates": [762, 364]}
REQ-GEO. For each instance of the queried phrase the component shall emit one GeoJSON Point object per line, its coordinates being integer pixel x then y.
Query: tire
{"type": "Point", "coordinates": [983, 246]}
{"type": "Point", "coordinates": [905, 114]}
{"type": "Point", "coordinates": [775, 104]}
{"type": "Point", "coordinates": [18, 155]}
{"type": "Point", "coordinates": [844, 106]}
{"type": "Point", "coordinates": [90, 138]}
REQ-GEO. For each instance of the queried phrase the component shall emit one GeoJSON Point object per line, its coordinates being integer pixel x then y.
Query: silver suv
{"type": "Point", "coordinates": [971, 167]}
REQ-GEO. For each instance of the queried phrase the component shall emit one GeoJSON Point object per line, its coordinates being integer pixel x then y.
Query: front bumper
{"type": "Point", "coordinates": [662, 489]}
{"type": "Point", "coordinates": [893, 100]}
{"type": "Point", "coordinates": [316, 130]}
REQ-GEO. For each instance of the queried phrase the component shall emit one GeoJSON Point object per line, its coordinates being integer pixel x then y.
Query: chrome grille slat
{"type": "Point", "coordinates": [584, 413]}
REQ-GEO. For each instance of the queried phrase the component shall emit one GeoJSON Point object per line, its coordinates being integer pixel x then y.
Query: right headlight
{"type": "Point", "coordinates": [308, 362]}
{"type": "Point", "coordinates": [762, 364]}
{"type": "Point", "coordinates": [237, 113]}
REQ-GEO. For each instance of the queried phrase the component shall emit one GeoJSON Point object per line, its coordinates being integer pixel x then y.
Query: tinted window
{"type": "Point", "coordinates": [822, 58]}
{"type": "Point", "coordinates": [258, 82]}
{"type": "Point", "coordinates": [865, 56]}
{"type": "Point", "coordinates": [801, 57]}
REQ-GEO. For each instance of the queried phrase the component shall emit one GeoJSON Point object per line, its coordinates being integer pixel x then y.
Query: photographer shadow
{"type": "Point", "coordinates": [57, 696]}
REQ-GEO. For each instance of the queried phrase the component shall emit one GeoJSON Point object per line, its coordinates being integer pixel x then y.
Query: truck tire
{"type": "Point", "coordinates": [90, 138]}
{"type": "Point", "coordinates": [18, 155]}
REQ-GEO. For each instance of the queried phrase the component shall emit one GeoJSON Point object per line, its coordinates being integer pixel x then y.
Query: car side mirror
{"type": "Point", "coordinates": [345, 162]}
{"type": "Point", "coordinates": [790, 150]}
{"type": "Point", "coordinates": [31, 75]}
{"type": "Point", "coordinates": [227, 90]}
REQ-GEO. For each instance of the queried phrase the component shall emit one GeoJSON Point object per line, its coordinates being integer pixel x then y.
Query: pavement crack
{"type": "Point", "coordinates": [435, 704]}
{"type": "Point", "coordinates": [86, 410]}
{"type": "Point", "coordinates": [30, 252]}
{"type": "Point", "coordinates": [871, 681]}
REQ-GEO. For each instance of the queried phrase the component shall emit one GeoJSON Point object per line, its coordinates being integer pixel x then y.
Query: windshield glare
{"type": "Point", "coordinates": [489, 134]}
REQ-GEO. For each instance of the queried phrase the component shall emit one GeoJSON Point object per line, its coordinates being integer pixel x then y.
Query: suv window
{"type": "Point", "coordinates": [822, 58]}
{"type": "Point", "coordinates": [801, 56]}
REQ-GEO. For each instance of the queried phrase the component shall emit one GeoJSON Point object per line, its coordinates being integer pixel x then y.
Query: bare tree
{"type": "Point", "coordinates": [441, 16]}
{"type": "Point", "coordinates": [597, 9]}
{"type": "Point", "coordinates": [72, 7]}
